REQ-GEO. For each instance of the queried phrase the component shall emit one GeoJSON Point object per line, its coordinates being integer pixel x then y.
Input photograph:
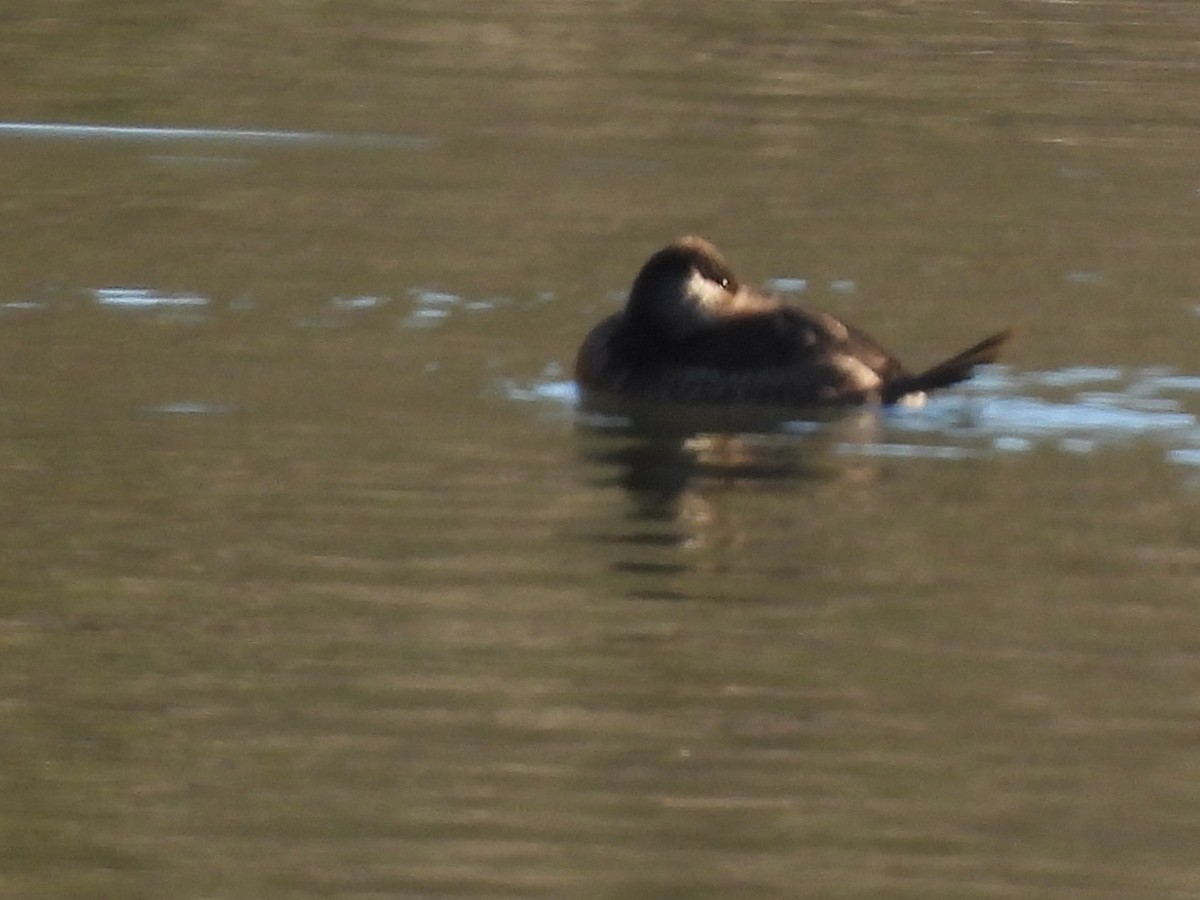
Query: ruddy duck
{"type": "Point", "coordinates": [690, 333]}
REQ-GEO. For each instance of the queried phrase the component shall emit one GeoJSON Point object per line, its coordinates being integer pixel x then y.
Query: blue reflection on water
{"type": "Point", "coordinates": [71, 131]}
{"type": "Point", "coordinates": [431, 307]}
{"type": "Point", "coordinates": [1004, 411]}
{"type": "Point", "coordinates": [144, 298]}
{"type": "Point", "coordinates": [189, 408]}
{"type": "Point", "coordinates": [562, 392]}
{"type": "Point", "coordinates": [1033, 417]}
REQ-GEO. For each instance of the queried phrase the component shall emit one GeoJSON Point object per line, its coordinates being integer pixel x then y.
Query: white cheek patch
{"type": "Point", "coordinates": [706, 293]}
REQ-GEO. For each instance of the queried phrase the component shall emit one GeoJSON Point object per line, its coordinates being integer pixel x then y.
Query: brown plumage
{"type": "Point", "coordinates": [690, 333]}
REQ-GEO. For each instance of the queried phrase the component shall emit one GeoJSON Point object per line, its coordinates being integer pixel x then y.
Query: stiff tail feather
{"type": "Point", "coordinates": [951, 371]}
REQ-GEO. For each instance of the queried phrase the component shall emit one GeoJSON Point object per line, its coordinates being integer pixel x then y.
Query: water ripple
{"type": "Point", "coordinates": [1003, 411]}
{"type": "Point", "coordinates": [1034, 417]}
{"type": "Point", "coordinates": [71, 131]}
{"type": "Point", "coordinates": [145, 298]}
{"type": "Point", "coordinates": [431, 307]}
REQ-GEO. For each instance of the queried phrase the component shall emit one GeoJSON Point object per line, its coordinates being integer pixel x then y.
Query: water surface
{"type": "Point", "coordinates": [316, 583]}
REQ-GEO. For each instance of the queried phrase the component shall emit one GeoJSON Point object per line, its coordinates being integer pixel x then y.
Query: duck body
{"type": "Point", "coordinates": [690, 333]}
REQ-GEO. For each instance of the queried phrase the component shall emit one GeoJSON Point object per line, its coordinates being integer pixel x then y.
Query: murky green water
{"type": "Point", "coordinates": [315, 584]}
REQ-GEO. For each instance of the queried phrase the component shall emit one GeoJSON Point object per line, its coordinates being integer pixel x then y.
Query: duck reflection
{"type": "Point", "coordinates": [693, 479]}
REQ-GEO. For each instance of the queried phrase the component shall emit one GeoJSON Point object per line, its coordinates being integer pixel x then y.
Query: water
{"type": "Point", "coordinates": [317, 583]}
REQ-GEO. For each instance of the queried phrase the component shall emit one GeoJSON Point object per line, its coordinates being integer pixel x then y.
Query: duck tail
{"type": "Point", "coordinates": [950, 371]}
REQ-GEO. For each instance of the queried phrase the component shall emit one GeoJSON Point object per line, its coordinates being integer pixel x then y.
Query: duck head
{"type": "Point", "coordinates": [687, 287]}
